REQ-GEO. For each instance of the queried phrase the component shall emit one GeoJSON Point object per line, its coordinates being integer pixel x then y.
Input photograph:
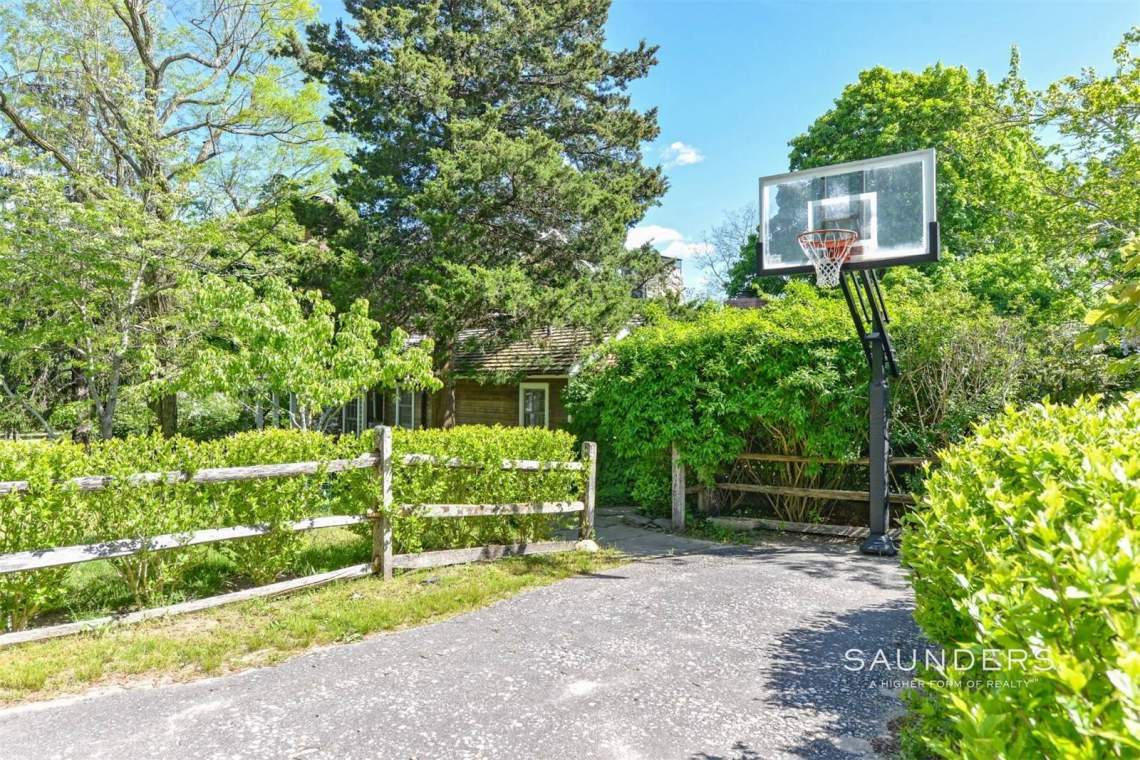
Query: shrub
{"type": "Point", "coordinates": [56, 513]}
{"type": "Point", "coordinates": [791, 374]}
{"type": "Point", "coordinates": [136, 512]}
{"type": "Point", "coordinates": [215, 415]}
{"type": "Point", "coordinates": [274, 502]}
{"type": "Point", "coordinates": [1028, 540]}
{"type": "Point", "coordinates": [51, 520]}
{"type": "Point", "coordinates": [959, 363]}
{"type": "Point", "coordinates": [790, 378]}
{"type": "Point", "coordinates": [488, 483]}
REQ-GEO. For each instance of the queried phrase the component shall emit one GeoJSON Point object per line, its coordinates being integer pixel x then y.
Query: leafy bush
{"type": "Point", "coordinates": [487, 483]}
{"type": "Point", "coordinates": [1028, 540]}
{"type": "Point", "coordinates": [791, 374]}
{"type": "Point", "coordinates": [135, 512]}
{"type": "Point", "coordinates": [214, 415]}
{"type": "Point", "coordinates": [274, 502]}
{"type": "Point", "coordinates": [52, 520]}
{"type": "Point", "coordinates": [959, 362]}
{"type": "Point", "coordinates": [790, 378]}
{"type": "Point", "coordinates": [56, 513]}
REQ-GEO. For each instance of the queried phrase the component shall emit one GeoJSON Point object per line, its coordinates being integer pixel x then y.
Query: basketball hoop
{"type": "Point", "coordinates": [828, 251]}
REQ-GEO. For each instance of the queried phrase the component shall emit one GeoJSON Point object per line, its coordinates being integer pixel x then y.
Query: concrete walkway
{"type": "Point", "coordinates": [692, 651]}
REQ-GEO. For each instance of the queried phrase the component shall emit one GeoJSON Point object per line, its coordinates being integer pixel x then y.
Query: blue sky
{"type": "Point", "coordinates": [738, 79]}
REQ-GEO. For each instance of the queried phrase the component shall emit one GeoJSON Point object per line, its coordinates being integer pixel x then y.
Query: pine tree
{"type": "Point", "coordinates": [499, 163]}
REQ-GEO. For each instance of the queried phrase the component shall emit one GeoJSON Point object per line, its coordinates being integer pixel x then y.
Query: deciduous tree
{"type": "Point", "coordinates": [261, 346]}
{"type": "Point", "coordinates": [1000, 227]}
{"type": "Point", "coordinates": [75, 277]}
{"type": "Point", "coordinates": [186, 107]}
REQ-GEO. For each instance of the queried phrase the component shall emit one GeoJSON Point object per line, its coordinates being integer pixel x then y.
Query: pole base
{"type": "Point", "coordinates": [879, 545]}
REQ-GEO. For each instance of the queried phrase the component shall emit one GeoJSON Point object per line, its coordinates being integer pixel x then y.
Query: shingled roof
{"type": "Point", "coordinates": [547, 351]}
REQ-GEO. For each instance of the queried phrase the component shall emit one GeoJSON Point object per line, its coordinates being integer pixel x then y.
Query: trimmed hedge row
{"type": "Point", "coordinates": [55, 513]}
{"type": "Point", "coordinates": [1029, 541]}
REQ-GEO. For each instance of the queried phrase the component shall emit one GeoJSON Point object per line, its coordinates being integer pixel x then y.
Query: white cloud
{"type": "Point", "coordinates": [667, 240]}
{"type": "Point", "coordinates": [679, 249]}
{"type": "Point", "coordinates": [680, 154]}
{"type": "Point", "coordinates": [651, 233]}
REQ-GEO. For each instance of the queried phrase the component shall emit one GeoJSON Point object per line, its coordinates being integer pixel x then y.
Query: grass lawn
{"type": "Point", "coordinates": [266, 631]}
{"type": "Point", "coordinates": [95, 588]}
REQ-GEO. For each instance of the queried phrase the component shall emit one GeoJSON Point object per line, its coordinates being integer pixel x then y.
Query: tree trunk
{"type": "Point", "coordinates": [106, 414]}
{"type": "Point", "coordinates": [445, 364]}
{"type": "Point", "coordinates": [166, 410]}
{"type": "Point", "coordinates": [447, 418]}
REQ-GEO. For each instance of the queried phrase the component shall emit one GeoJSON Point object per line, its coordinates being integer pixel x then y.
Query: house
{"type": "Point", "coordinates": [521, 383]}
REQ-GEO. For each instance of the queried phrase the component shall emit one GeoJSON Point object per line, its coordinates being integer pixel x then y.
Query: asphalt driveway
{"type": "Point", "coordinates": [692, 651]}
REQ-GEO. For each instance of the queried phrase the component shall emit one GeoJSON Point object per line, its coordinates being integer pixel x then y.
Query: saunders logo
{"type": "Point", "coordinates": [1008, 668]}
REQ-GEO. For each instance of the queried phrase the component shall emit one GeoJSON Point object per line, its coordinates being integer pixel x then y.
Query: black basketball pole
{"type": "Point", "coordinates": [871, 318]}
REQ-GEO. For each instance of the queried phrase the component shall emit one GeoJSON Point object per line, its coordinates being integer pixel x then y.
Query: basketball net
{"type": "Point", "coordinates": [828, 251]}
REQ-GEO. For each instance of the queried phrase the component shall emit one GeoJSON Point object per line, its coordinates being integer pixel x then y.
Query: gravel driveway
{"type": "Point", "coordinates": [707, 652]}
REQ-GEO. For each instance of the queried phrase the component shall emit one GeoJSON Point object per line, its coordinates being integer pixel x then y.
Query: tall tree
{"type": "Point", "coordinates": [75, 275]}
{"type": "Point", "coordinates": [726, 260]}
{"type": "Point", "coordinates": [186, 107]}
{"type": "Point", "coordinates": [259, 346]}
{"type": "Point", "coordinates": [998, 222]}
{"type": "Point", "coordinates": [1099, 177]}
{"type": "Point", "coordinates": [1098, 117]}
{"type": "Point", "coordinates": [499, 163]}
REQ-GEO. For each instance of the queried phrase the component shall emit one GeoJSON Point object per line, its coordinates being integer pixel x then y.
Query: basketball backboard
{"type": "Point", "coordinates": [889, 201]}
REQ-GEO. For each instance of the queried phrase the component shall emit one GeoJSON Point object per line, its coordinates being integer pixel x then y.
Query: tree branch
{"type": "Point", "coordinates": [12, 396]}
{"type": "Point", "coordinates": [36, 139]}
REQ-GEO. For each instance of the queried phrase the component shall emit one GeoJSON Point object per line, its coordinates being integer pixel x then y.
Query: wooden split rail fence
{"type": "Point", "coordinates": [383, 561]}
{"type": "Point", "coordinates": [680, 491]}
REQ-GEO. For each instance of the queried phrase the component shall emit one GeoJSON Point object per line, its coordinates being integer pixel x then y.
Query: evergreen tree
{"type": "Point", "coordinates": [499, 164]}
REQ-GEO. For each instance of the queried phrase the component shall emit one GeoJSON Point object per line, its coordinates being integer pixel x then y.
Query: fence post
{"type": "Point", "coordinates": [586, 518]}
{"type": "Point", "coordinates": [678, 490]}
{"type": "Point", "coordinates": [381, 523]}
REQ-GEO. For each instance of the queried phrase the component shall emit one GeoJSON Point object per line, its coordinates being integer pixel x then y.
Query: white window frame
{"type": "Point", "coordinates": [361, 408]}
{"type": "Point", "coordinates": [415, 403]}
{"type": "Point", "coordinates": [545, 388]}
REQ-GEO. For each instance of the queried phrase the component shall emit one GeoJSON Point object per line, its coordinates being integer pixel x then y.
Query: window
{"type": "Point", "coordinates": [352, 416]}
{"type": "Point", "coordinates": [375, 404]}
{"type": "Point", "coordinates": [407, 409]}
{"type": "Point", "coordinates": [534, 404]}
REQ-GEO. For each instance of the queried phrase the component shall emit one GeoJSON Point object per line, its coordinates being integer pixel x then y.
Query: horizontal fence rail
{"type": "Point", "coordinates": [492, 510]}
{"type": "Point", "coordinates": [293, 469]}
{"type": "Point", "coordinates": [811, 493]}
{"type": "Point", "coordinates": [208, 474]}
{"type": "Point", "coordinates": [383, 561]}
{"type": "Point", "coordinates": [680, 490]}
{"type": "Point", "coordinates": [507, 464]}
{"type": "Point", "coordinates": [419, 561]}
{"type": "Point", "coordinates": [793, 459]}
{"type": "Point", "coordinates": [38, 559]}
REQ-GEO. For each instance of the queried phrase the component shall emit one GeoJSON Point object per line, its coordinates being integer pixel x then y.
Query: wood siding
{"type": "Point", "coordinates": [493, 404]}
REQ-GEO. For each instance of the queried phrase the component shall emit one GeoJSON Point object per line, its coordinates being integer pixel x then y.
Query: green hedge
{"type": "Point", "coordinates": [54, 513]}
{"type": "Point", "coordinates": [792, 373]}
{"type": "Point", "coordinates": [1029, 540]}
{"type": "Point", "coordinates": [791, 378]}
